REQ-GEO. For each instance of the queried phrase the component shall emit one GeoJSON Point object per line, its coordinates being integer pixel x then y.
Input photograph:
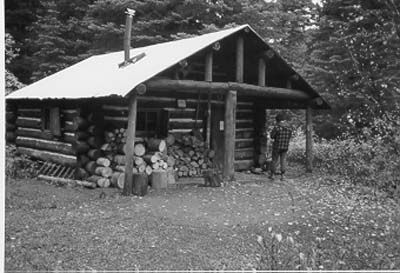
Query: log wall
{"type": "Point", "coordinates": [33, 140]}
{"type": "Point", "coordinates": [183, 120]}
{"type": "Point", "coordinates": [245, 135]}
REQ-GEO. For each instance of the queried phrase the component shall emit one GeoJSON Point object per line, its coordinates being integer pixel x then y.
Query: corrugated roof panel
{"type": "Point", "coordinates": [100, 75]}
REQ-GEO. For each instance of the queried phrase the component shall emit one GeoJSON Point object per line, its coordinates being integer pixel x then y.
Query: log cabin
{"type": "Point", "coordinates": [218, 84]}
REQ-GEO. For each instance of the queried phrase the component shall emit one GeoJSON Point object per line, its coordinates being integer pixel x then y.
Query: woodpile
{"type": "Point", "coordinates": [102, 159]}
{"type": "Point", "coordinates": [191, 156]}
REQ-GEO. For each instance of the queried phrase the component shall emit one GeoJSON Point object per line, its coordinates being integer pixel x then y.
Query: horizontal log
{"type": "Point", "coordinates": [246, 153]}
{"type": "Point", "coordinates": [10, 136]}
{"type": "Point", "coordinates": [182, 113]}
{"type": "Point", "coordinates": [11, 117]}
{"type": "Point", "coordinates": [10, 126]}
{"type": "Point", "coordinates": [184, 123]}
{"type": "Point", "coordinates": [244, 133]}
{"type": "Point", "coordinates": [65, 181]}
{"type": "Point", "coordinates": [69, 137]}
{"type": "Point", "coordinates": [34, 133]}
{"type": "Point", "coordinates": [241, 165]}
{"type": "Point", "coordinates": [69, 126]}
{"type": "Point", "coordinates": [42, 144]}
{"type": "Point", "coordinates": [49, 156]}
{"type": "Point", "coordinates": [29, 122]}
{"type": "Point", "coordinates": [244, 143]}
{"type": "Point", "coordinates": [244, 124]}
{"type": "Point", "coordinates": [70, 114]}
{"type": "Point", "coordinates": [30, 112]}
{"type": "Point", "coordinates": [80, 147]}
{"type": "Point", "coordinates": [217, 87]}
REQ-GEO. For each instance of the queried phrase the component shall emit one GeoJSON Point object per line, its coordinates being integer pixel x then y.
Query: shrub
{"type": "Point", "coordinates": [19, 166]}
{"type": "Point", "coordinates": [370, 160]}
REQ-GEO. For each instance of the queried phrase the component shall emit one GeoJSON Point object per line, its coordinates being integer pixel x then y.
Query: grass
{"type": "Point", "coordinates": [326, 223]}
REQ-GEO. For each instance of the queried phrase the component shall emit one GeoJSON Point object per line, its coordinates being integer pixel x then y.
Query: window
{"type": "Point", "coordinates": [147, 122]}
{"type": "Point", "coordinates": [51, 120]}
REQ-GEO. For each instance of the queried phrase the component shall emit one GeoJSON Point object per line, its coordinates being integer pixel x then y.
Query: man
{"type": "Point", "coordinates": [281, 135]}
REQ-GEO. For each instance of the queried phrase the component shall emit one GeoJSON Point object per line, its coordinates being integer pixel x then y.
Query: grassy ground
{"type": "Point", "coordinates": [332, 227]}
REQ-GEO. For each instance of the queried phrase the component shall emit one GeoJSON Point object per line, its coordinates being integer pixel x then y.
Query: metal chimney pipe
{"type": "Point", "coordinates": [128, 33]}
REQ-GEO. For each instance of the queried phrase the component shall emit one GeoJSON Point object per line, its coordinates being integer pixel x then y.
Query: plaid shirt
{"type": "Point", "coordinates": [281, 136]}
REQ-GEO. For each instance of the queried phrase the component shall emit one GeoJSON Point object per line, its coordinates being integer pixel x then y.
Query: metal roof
{"type": "Point", "coordinates": [100, 75]}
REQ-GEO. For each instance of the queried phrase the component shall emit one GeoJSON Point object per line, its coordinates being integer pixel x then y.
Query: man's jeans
{"type": "Point", "coordinates": [276, 155]}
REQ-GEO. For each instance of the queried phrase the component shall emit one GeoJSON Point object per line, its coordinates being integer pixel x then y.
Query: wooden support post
{"type": "Point", "coordinates": [239, 59]}
{"type": "Point", "coordinates": [208, 78]}
{"type": "Point", "coordinates": [309, 155]}
{"type": "Point", "coordinates": [261, 72]}
{"type": "Point", "coordinates": [130, 144]}
{"type": "Point", "coordinates": [229, 134]}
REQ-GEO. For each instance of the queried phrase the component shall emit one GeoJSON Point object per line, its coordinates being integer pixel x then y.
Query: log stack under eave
{"type": "Point", "coordinates": [11, 117]}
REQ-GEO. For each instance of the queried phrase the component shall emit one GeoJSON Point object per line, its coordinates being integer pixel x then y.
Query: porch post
{"type": "Point", "coordinates": [229, 135]}
{"type": "Point", "coordinates": [309, 155]}
{"type": "Point", "coordinates": [261, 72]}
{"type": "Point", "coordinates": [208, 78]}
{"type": "Point", "coordinates": [130, 144]}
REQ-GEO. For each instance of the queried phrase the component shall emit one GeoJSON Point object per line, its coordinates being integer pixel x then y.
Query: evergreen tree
{"type": "Point", "coordinates": [11, 52]}
{"type": "Point", "coordinates": [355, 57]}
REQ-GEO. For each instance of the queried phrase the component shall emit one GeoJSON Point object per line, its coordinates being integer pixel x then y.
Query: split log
{"type": "Point", "coordinates": [41, 144]}
{"type": "Point", "coordinates": [102, 161]}
{"type": "Point", "coordinates": [148, 170]}
{"type": "Point", "coordinates": [80, 123]}
{"type": "Point", "coordinates": [94, 142]}
{"type": "Point", "coordinates": [81, 135]}
{"type": "Point", "coordinates": [138, 161]}
{"type": "Point", "coordinates": [81, 174]}
{"type": "Point", "coordinates": [114, 178]}
{"type": "Point", "coordinates": [103, 171]}
{"type": "Point", "coordinates": [151, 158]}
{"type": "Point", "coordinates": [94, 154]}
{"type": "Point", "coordinates": [83, 160]}
{"type": "Point", "coordinates": [90, 167]}
{"type": "Point", "coordinates": [94, 130]}
{"type": "Point", "coordinates": [102, 182]}
{"type": "Point", "coordinates": [120, 159]}
{"type": "Point", "coordinates": [170, 140]}
{"type": "Point", "coordinates": [121, 181]}
{"type": "Point", "coordinates": [119, 168]}
{"type": "Point", "coordinates": [158, 145]}
{"type": "Point", "coordinates": [80, 147]}
{"type": "Point", "coordinates": [159, 179]}
{"type": "Point", "coordinates": [62, 159]}
{"type": "Point", "coordinates": [139, 149]}
{"type": "Point", "coordinates": [141, 168]}
{"type": "Point", "coordinates": [140, 184]}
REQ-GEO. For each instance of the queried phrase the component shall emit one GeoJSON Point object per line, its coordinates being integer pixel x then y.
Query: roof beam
{"type": "Point", "coordinates": [218, 87]}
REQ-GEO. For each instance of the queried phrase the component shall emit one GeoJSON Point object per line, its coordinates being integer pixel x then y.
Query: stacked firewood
{"type": "Point", "coordinates": [93, 165]}
{"type": "Point", "coordinates": [192, 158]}
{"type": "Point", "coordinates": [149, 155]}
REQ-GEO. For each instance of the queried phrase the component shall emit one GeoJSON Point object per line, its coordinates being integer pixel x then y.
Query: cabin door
{"type": "Point", "coordinates": [217, 135]}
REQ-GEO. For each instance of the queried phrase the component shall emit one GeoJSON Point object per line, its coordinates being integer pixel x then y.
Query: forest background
{"type": "Point", "coordinates": [348, 50]}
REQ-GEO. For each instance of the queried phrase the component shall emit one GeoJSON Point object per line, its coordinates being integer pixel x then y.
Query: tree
{"type": "Point", "coordinates": [12, 82]}
{"type": "Point", "coordinates": [355, 58]}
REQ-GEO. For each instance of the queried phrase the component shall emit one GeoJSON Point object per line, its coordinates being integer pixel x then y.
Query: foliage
{"type": "Point", "coordinates": [355, 61]}
{"type": "Point", "coordinates": [371, 160]}
{"type": "Point", "coordinates": [11, 52]}
{"type": "Point", "coordinates": [19, 165]}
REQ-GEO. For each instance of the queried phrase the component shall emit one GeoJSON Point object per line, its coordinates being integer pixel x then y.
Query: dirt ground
{"type": "Point", "coordinates": [189, 227]}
